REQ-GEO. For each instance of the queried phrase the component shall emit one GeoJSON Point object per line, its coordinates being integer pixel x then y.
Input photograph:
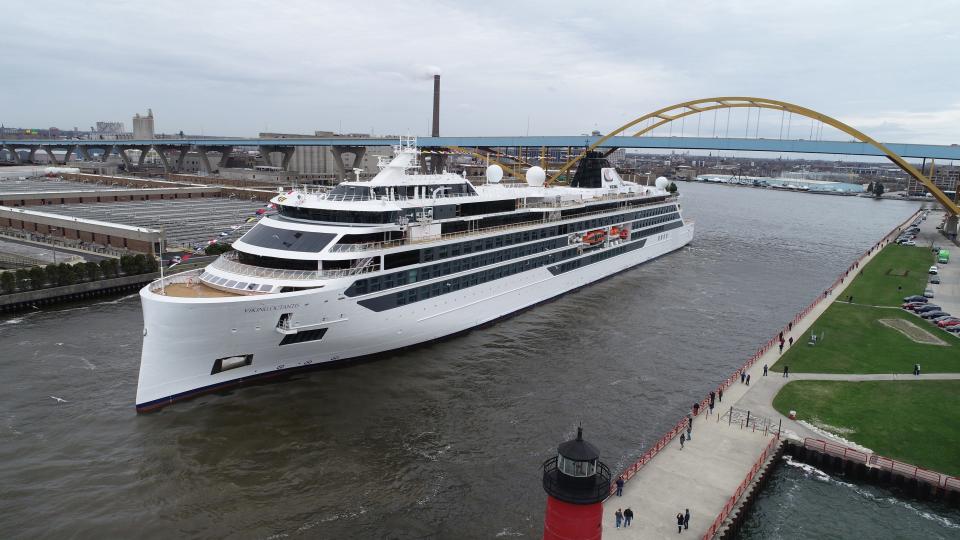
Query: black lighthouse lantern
{"type": "Point", "coordinates": [577, 483]}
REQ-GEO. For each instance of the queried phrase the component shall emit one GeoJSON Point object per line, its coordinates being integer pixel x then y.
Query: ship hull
{"type": "Point", "coordinates": [186, 342]}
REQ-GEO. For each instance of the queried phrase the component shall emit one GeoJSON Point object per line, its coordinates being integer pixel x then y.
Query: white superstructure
{"type": "Point", "coordinates": [401, 259]}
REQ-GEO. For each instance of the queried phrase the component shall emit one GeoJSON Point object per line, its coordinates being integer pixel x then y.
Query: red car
{"type": "Point", "coordinates": [948, 322]}
{"type": "Point", "coordinates": [913, 305]}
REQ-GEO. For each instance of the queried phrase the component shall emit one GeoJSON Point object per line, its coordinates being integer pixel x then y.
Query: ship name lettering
{"type": "Point", "coordinates": [263, 309]}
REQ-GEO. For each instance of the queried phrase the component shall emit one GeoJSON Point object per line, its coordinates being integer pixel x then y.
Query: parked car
{"type": "Point", "coordinates": [955, 329]}
{"type": "Point", "coordinates": [933, 270]}
{"type": "Point", "coordinates": [934, 314]}
{"type": "Point", "coordinates": [912, 305]}
{"type": "Point", "coordinates": [915, 298]}
{"type": "Point", "coordinates": [928, 293]}
{"type": "Point", "coordinates": [926, 308]}
{"type": "Point", "coordinates": [908, 243]}
{"type": "Point", "coordinates": [935, 279]}
{"type": "Point", "coordinates": [916, 305]}
{"type": "Point", "coordinates": [948, 322]}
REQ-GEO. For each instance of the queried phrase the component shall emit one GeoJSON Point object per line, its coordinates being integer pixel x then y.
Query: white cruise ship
{"type": "Point", "coordinates": [401, 259]}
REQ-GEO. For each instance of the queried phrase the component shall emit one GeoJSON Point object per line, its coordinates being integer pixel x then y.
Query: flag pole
{"type": "Point", "coordinates": [163, 288]}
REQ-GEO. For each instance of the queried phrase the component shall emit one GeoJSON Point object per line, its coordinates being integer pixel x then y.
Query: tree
{"type": "Point", "coordinates": [672, 188]}
{"type": "Point", "coordinates": [127, 264]}
{"type": "Point", "coordinates": [23, 279]}
{"type": "Point", "coordinates": [150, 264]}
{"type": "Point", "coordinates": [7, 282]}
{"type": "Point", "coordinates": [38, 277]}
{"type": "Point", "coordinates": [107, 268]}
{"type": "Point", "coordinates": [139, 263]}
{"type": "Point", "coordinates": [53, 275]}
{"type": "Point", "coordinates": [877, 189]}
{"type": "Point", "coordinates": [217, 248]}
{"type": "Point", "coordinates": [92, 270]}
{"type": "Point", "coordinates": [66, 275]}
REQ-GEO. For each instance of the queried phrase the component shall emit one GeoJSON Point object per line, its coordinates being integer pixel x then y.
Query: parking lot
{"type": "Point", "coordinates": [947, 292]}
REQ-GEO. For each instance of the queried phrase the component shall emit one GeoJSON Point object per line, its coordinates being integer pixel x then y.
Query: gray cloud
{"type": "Point", "coordinates": [237, 67]}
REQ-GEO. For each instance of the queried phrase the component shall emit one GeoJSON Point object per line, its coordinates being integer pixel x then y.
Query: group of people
{"type": "Point", "coordinates": [625, 517]}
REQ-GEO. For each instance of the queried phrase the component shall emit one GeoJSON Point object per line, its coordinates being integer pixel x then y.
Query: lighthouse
{"type": "Point", "coordinates": [576, 482]}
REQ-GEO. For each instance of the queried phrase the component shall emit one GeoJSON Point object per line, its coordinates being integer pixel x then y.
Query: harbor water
{"type": "Point", "coordinates": [802, 502]}
{"type": "Point", "coordinates": [442, 441]}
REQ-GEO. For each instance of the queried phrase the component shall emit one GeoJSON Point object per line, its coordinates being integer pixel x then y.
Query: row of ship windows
{"type": "Point", "coordinates": [407, 258]}
{"type": "Point", "coordinates": [425, 292]}
{"type": "Point", "coordinates": [396, 279]}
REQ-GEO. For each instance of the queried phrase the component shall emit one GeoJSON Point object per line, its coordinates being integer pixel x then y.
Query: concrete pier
{"type": "Point", "coordinates": [723, 450]}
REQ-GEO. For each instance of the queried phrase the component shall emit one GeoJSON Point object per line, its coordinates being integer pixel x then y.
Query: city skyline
{"type": "Point", "coordinates": [235, 68]}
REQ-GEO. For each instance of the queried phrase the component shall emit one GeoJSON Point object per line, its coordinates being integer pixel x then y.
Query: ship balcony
{"type": "Point", "coordinates": [228, 263]}
{"type": "Point", "coordinates": [188, 285]}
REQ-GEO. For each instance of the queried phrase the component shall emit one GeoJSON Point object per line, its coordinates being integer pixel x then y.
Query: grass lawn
{"type": "Point", "coordinates": [856, 342]}
{"type": "Point", "coordinates": [895, 266]}
{"type": "Point", "coordinates": [912, 421]}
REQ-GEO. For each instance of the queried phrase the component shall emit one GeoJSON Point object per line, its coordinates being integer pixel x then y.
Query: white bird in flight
{"type": "Point", "coordinates": [59, 400]}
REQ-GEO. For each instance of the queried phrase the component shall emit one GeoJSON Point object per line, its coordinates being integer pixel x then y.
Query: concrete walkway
{"type": "Point", "coordinates": [707, 471]}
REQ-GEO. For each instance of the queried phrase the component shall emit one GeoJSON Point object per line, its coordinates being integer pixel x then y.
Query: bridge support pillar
{"type": "Point", "coordinates": [339, 151]}
{"type": "Point", "coordinates": [287, 156]}
{"type": "Point", "coordinates": [952, 227]}
{"type": "Point", "coordinates": [224, 156]}
{"type": "Point", "coordinates": [70, 149]}
{"type": "Point", "coordinates": [32, 156]}
{"type": "Point", "coordinates": [14, 156]}
{"type": "Point", "coordinates": [83, 152]}
{"type": "Point", "coordinates": [204, 160]}
{"type": "Point", "coordinates": [144, 150]}
{"type": "Point", "coordinates": [265, 154]}
{"type": "Point", "coordinates": [127, 164]}
{"type": "Point", "coordinates": [53, 157]}
{"type": "Point", "coordinates": [162, 152]}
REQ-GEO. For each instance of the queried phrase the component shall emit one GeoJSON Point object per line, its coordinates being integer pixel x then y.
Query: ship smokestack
{"type": "Point", "coordinates": [436, 106]}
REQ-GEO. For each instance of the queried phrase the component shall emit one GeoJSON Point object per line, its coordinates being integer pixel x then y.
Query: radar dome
{"type": "Point", "coordinates": [536, 176]}
{"type": "Point", "coordinates": [494, 174]}
{"type": "Point", "coordinates": [662, 183]}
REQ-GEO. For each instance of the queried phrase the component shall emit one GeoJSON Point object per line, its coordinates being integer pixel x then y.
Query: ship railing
{"type": "Point", "coordinates": [228, 263]}
{"type": "Point", "coordinates": [368, 246]}
{"type": "Point", "coordinates": [191, 277]}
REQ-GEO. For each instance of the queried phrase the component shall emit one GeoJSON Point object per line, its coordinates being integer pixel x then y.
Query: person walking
{"type": "Point", "coordinates": [764, 370]}
{"type": "Point", "coordinates": [743, 377]}
{"type": "Point", "coordinates": [791, 341]}
{"type": "Point", "coordinates": [696, 409]}
{"type": "Point", "coordinates": [786, 371]}
{"type": "Point", "coordinates": [619, 517]}
{"type": "Point", "coordinates": [627, 517]}
{"type": "Point", "coordinates": [781, 347]}
{"type": "Point", "coordinates": [679, 523]}
{"type": "Point", "coordinates": [686, 519]}
{"type": "Point", "coordinates": [689, 428]}
{"type": "Point", "coordinates": [748, 379]}
{"type": "Point", "coordinates": [720, 395]}
{"type": "Point", "coordinates": [682, 440]}
{"type": "Point", "coordinates": [713, 400]}
{"type": "Point", "coordinates": [916, 369]}
{"type": "Point", "coordinates": [620, 486]}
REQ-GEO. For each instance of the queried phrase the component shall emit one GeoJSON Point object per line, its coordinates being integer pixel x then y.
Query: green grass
{"type": "Point", "coordinates": [855, 342]}
{"type": "Point", "coordinates": [912, 421]}
{"type": "Point", "coordinates": [895, 266]}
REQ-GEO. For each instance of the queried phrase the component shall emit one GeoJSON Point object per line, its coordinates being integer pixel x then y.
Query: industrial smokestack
{"type": "Point", "coordinates": [436, 106]}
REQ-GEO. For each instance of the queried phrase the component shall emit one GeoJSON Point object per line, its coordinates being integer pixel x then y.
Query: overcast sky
{"type": "Point", "coordinates": [238, 67]}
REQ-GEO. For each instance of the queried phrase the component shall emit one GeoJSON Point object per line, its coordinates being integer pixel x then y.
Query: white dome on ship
{"type": "Point", "coordinates": [494, 174]}
{"type": "Point", "coordinates": [662, 182]}
{"type": "Point", "coordinates": [536, 176]}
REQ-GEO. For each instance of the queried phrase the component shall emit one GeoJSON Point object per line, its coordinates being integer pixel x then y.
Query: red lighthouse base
{"type": "Point", "coordinates": [565, 521]}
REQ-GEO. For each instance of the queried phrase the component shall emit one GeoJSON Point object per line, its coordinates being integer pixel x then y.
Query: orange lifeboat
{"type": "Point", "coordinates": [594, 237]}
{"type": "Point", "coordinates": [624, 234]}
{"type": "Point", "coordinates": [614, 231]}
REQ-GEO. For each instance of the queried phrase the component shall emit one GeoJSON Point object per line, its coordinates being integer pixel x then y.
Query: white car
{"type": "Point", "coordinates": [908, 243]}
{"type": "Point", "coordinates": [933, 270]}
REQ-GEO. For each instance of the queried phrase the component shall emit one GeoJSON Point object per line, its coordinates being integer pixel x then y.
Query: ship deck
{"type": "Point", "coordinates": [198, 290]}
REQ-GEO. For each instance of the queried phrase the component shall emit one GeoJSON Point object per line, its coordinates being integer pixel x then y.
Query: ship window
{"type": "Point", "coordinates": [285, 239]}
{"type": "Point", "coordinates": [266, 287]}
{"type": "Point", "coordinates": [304, 336]}
{"type": "Point", "coordinates": [242, 285]}
{"type": "Point", "coordinates": [231, 283]}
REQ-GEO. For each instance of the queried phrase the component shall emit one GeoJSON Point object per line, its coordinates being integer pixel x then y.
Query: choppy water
{"type": "Point", "coordinates": [803, 502]}
{"type": "Point", "coordinates": [440, 442]}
